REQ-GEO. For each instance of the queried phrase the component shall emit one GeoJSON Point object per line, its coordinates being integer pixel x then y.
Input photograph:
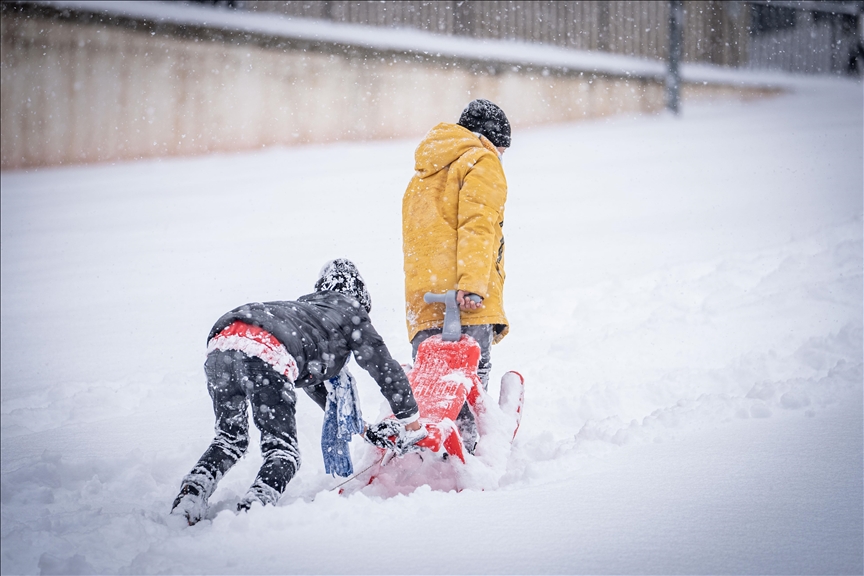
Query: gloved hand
{"type": "Point", "coordinates": [407, 440]}
{"type": "Point", "coordinates": [379, 434]}
{"type": "Point", "coordinates": [402, 442]}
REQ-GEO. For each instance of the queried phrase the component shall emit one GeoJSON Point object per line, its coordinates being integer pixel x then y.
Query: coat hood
{"type": "Point", "coordinates": [443, 145]}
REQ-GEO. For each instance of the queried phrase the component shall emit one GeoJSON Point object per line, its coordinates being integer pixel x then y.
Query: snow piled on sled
{"type": "Point", "coordinates": [385, 476]}
{"type": "Point", "coordinates": [686, 303]}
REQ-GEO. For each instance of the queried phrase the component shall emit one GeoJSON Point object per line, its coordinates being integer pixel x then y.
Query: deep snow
{"type": "Point", "coordinates": [686, 304]}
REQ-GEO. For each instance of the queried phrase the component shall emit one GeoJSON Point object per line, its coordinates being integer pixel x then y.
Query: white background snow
{"type": "Point", "coordinates": [686, 305]}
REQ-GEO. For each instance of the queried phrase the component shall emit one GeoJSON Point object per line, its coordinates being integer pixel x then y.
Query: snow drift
{"type": "Point", "coordinates": [686, 303]}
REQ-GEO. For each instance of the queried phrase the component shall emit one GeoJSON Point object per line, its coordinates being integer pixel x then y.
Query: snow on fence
{"type": "Point", "coordinates": [102, 81]}
{"type": "Point", "coordinates": [795, 36]}
{"type": "Point", "coordinates": [621, 27]}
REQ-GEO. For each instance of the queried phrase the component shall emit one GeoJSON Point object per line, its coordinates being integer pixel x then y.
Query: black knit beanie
{"type": "Point", "coordinates": [341, 275]}
{"type": "Point", "coordinates": [489, 120]}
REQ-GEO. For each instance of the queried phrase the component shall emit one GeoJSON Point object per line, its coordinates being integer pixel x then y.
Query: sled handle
{"type": "Point", "coordinates": [452, 330]}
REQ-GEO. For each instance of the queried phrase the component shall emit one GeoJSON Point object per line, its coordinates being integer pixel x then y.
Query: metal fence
{"type": "Point", "coordinates": [810, 37]}
{"type": "Point", "coordinates": [813, 37]}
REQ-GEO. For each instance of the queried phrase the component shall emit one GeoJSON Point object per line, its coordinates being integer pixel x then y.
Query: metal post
{"type": "Point", "coordinates": [463, 24]}
{"type": "Point", "coordinates": [673, 79]}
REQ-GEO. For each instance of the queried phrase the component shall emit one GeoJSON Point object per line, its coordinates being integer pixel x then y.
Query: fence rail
{"type": "Point", "coordinates": [818, 37]}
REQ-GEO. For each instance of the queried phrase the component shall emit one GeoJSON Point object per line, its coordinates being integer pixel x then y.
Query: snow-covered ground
{"type": "Point", "coordinates": [686, 305]}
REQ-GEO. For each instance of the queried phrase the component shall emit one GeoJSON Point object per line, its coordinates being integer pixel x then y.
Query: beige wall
{"type": "Point", "coordinates": [75, 92]}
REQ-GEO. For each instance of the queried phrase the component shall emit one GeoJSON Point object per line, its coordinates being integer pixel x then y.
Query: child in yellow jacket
{"type": "Point", "coordinates": [453, 231]}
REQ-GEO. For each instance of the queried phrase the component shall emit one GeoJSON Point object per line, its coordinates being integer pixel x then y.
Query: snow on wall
{"type": "Point", "coordinates": [83, 93]}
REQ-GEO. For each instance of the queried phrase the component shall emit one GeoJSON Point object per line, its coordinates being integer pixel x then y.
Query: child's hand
{"type": "Point", "coordinates": [379, 434]}
{"type": "Point", "coordinates": [389, 434]}
{"type": "Point", "coordinates": [407, 440]}
{"type": "Point", "coordinates": [466, 303]}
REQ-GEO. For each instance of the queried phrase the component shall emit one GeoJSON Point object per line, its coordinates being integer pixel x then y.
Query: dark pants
{"type": "Point", "coordinates": [232, 379]}
{"type": "Point", "coordinates": [482, 333]}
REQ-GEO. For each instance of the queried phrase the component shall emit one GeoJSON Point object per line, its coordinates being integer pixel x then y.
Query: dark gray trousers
{"type": "Point", "coordinates": [233, 379]}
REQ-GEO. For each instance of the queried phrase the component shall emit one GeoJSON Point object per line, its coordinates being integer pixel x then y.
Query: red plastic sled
{"type": "Point", "coordinates": [443, 378]}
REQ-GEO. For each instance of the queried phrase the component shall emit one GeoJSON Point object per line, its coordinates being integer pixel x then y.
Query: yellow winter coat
{"type": "Point", "coordinates": [452, 228]}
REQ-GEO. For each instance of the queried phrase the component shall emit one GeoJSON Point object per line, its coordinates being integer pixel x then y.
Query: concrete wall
{"type": "Point", "coordinates": [79, 90]}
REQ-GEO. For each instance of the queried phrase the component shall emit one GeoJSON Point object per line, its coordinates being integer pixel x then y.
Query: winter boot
{"type": "Point", "coordinates": [258, 492]}
{"type": "Point", "coordinates": [467, 428]}
{"type": "Point", "coordinates": [189, 504]}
